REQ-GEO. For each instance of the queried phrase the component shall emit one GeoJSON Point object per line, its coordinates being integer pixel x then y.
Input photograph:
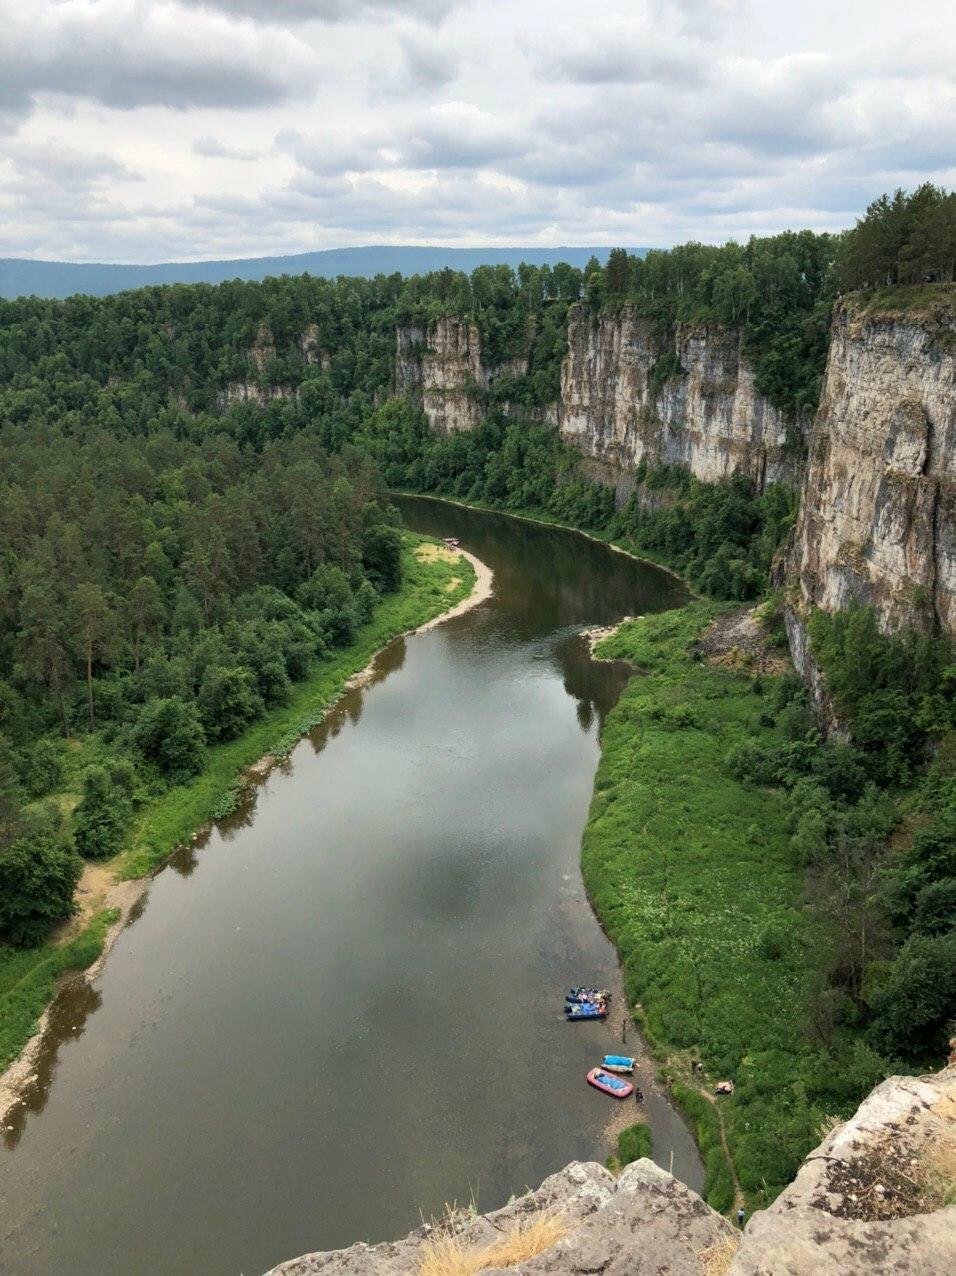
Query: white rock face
{"type": "Point", "coordinates": [262, 352]}
{"type": "Point", "coordinates": [441, 371]}
{"type": "Point", "coordinates": [709, 419]}
{"type": "Point", "coordinates": [877, 520]}
{"type": "Point", "coordinates": [640, 1224]}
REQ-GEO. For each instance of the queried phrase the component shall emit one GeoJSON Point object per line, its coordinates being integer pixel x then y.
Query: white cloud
{"type": "Point", "coordinates": [327, 10]}
{"type": "Point", "coordinates": [130, 53]}
{"type": "Point", "coordinates": [190, 128]}
{"type": "Point", "coordinates": [211, 148]}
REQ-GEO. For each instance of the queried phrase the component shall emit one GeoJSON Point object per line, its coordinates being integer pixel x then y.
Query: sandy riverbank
{"type": "Point", "coordinates": [563, 527]}
{"type": "Point", "coordinates": [100, 890]}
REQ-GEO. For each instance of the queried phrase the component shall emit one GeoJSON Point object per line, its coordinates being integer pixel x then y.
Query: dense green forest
{"type": "Point", "coordinates": [902, 239]}
{"type": "Point", "coordinates": [161, 594]}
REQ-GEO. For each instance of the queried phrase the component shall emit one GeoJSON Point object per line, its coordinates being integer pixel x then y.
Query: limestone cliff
{"type": "Point", "coordinates": [257, 387]}
{"type": "Point", "coordinates": [872, 1198]}
{"type": "Point", "coordinates": [877, 521]}
{"type": "Point", "coordinates": [706, 416]}
{"type": "Point", "coordinates": [440, 369]}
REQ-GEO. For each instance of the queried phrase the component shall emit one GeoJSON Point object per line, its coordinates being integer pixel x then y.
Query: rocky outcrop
{"type": "Point", "coordinates": [643, 1222]}
{"type": "Point", "coordinates": [262, 352]}
{"type": "Point", "coordinates": [706, 415]}
{"type": "Point", "coordinates": [877, 521]}
{"type": "Point", "coordinates": [870, 1199]}
{"type": "Point", "coordinates": [440, 369]}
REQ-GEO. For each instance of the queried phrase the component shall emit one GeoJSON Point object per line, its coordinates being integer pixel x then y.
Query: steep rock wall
{"type": "Point", "coordinates": [708, 418]}
{"type": "Point", "coordinates": [877, 521]}
{"type": "Point", "coordinates": [440, 369]}
{"type": "Point", "coordinates": [262, 352]}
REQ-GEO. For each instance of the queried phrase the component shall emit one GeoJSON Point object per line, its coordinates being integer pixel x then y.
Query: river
{"type": "Point", "coordinates": [341, 1010]}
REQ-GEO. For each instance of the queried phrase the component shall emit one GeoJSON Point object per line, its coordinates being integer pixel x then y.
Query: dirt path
{"type": "Point", "coordinates": [738, 1190]}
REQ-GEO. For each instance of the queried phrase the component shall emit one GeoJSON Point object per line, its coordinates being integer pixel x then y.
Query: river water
{"type": "Point", "coordinates": [341, 1010]}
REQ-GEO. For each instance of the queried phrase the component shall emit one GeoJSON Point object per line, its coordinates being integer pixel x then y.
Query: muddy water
{"type": "Point", "coordinates": [342, 1010]}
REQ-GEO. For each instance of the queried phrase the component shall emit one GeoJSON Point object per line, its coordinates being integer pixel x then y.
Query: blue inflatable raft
{"type": "Point", "coordinates": [593, 1010]}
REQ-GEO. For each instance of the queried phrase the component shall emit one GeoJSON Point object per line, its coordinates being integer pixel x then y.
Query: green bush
{"type": "Point", "coordinates": [43, 767]}
{"type": "Point", "coordinates": [633, 1143]}
{"type": "Point", "coordinates": [101, 818]}
{"type": "Point", "coordinates": [228, 702]}
{"type": "Point", "coordinates": [168, 733]}
{"type": "Point", "coordinates": [913, 1009]}
{"type": "Point", "coordinates": [38, 875]}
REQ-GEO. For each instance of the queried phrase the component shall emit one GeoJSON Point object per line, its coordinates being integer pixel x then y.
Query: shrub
{"type": "Point", "coordinates": [38, 875]}
{"type": "Point", "coordinates": [43, 768]}
{"type": "Point", "coordinates": [382, 556]}
{"type": "Point", "coordinates": [168, 733]}
{"type": "Point", "coordinates": [228, 702]}
{"type": "Point", "coordinates": [913, 1007]}
{"type": "Point", "coordinates": [100, 820]}
{"type": "Point", "coordinates": [633, 1143]}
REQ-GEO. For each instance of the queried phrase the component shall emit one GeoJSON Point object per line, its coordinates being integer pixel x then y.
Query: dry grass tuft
{"type": "Point", "coordinates": [447, 1256]}
{"type": "Point", "coordinates": [715, 1260]}
{"type": "Point", "coordinates": [828, 1125]}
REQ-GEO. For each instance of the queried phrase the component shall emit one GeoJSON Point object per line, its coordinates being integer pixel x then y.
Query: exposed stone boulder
{"type": "Point", "coordinates": [870, 1197]}
{"type": "Point", "coordinates": [652, 1223]}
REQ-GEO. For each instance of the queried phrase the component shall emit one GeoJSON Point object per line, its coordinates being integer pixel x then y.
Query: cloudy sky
{"type": "Point", "coordinates": [148, 130]}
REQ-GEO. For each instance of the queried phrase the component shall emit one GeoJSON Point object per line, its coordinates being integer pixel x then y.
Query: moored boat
{"type": "Point", "coordinates": [607, 1083]}
{"type": "Point", "coordinates": [585, 996]}
{"type": "Point", "coordinates": [618, 1063]}
{"type": "Point", "coordinates": [590, 1010]}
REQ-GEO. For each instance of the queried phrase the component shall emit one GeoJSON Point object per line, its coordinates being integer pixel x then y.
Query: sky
{"type": "Point", "coordinates": [153, 130]}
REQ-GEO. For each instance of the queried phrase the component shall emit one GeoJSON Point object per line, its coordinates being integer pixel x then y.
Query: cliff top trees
{"type": "Point", "coordinates": [902, 239]}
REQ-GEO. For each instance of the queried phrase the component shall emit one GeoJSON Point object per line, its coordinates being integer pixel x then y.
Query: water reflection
{"type": "Point", "coordinates": [74, 1004]}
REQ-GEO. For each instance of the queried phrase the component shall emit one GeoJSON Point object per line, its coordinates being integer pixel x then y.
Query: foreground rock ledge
{"type": "Point", "coordinates": [862, 1202]}
{"type": "Point", "coordinates": [644, 1221]}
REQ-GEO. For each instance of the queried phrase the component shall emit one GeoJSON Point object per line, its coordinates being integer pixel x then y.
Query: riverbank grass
{"type": "Point", "coordinates": [432, 585]}
{"type": "Point", "coordinates": [692, 875]}
{"type": "Point", "coordinates": [28, 979]}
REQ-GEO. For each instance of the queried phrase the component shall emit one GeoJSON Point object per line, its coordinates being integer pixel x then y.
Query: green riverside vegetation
{"type": "Point", "coordinates": [28, 980]}
{"type": "Point", "coordinates": [743, 868]}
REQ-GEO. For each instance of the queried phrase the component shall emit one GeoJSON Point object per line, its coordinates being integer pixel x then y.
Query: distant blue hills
{"type": "Point", "coordinates": [19, 276]}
